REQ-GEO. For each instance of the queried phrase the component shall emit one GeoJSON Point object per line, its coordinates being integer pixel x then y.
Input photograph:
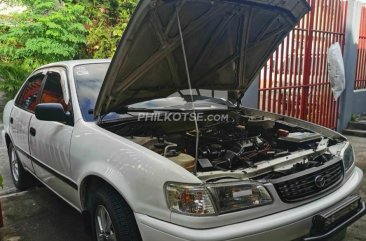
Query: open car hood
{"type": "Point", "coordinates": [226, 41]}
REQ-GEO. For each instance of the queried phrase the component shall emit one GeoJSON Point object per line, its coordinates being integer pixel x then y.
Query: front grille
{"type": "Point", "coordinates": [298, 188]}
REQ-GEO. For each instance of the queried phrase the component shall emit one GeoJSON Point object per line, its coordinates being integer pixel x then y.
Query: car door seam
{"type": "Point", "coordinates": [58, 175]}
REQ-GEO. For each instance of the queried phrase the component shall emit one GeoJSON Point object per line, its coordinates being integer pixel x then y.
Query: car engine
{"type": "Point", "coordinates": [237, 143]}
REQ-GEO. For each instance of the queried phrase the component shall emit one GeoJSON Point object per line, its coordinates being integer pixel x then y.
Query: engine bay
{"type": "Point", "coordinates": [240, 143]}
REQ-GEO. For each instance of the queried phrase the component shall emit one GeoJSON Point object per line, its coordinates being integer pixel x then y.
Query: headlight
{"type": "Point", "coordinates": [226, 197]}
{"type": "Point", "coordinates": [348, 157]}
{"type": "Point", "coordinates": [189, 199]}
{"type": "Point", "coordinates": [238, 196]}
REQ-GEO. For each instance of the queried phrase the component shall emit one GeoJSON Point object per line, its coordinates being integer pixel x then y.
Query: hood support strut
{"type": "Point", "coordinates": [190, 89]}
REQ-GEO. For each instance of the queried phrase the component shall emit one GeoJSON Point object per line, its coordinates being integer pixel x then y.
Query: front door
{"type": "Point", "coordinates": [50, 141]}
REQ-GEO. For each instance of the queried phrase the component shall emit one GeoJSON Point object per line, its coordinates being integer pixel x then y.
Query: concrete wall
{"type": "Point", "coordinates": [359, 96]}
{"type": "Point", "coordinates": [351, 102]}
{"type": "Point", "coordinates": [250, 98]}
{"type": "Point", "coordinates": [359, 102]}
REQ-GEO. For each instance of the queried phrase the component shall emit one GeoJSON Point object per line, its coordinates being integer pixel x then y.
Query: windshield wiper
{"type": "Point", "coordinates": [126, 110]}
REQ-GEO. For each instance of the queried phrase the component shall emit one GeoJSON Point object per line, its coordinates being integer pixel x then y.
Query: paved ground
{"type": "Point", "coordinates": [36, 215]}
{"type": "Point", "coordinates": [357, 232]}
{"type": "Point", "coordinates": [39, 215]}
{"type": "Point", "coordinates": [4, 169]}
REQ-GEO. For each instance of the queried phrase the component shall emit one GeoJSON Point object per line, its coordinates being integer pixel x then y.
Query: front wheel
{"type": "Point", "coordinates": [112, 219]}
{"type": "Point", "coordinates": [21, 178]}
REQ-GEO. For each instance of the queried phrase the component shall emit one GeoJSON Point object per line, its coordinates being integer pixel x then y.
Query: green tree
{"type": "Point", "coordinates": [55, 30]}
{"type": "Point", "coordinates": [108, 20]}
{"type": "Point", "coordinates": [11, 78]}
{"type": "Point", "coordinates": [47, 31]}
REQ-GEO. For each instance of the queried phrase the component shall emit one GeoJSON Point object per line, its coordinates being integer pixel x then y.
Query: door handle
{"type": "Point", "coordinates": [32, 131]}
{"type": "Point", "coordinates": [11, 120]}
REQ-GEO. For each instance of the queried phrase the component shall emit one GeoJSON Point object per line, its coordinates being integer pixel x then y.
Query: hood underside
{"type": "Point", "coordinates": [226, 42]}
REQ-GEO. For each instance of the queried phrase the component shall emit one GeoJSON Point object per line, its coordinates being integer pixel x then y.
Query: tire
{"type": "Point", "coordinates": [123, 224]}
{"type": "Point", "coordinates": [21, 178]}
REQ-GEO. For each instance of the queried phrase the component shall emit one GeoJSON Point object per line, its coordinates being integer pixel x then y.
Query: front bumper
{"type": "Point", "coordinates": [289, 225]}
{"type": "Point", "coordinates": [343, 224]}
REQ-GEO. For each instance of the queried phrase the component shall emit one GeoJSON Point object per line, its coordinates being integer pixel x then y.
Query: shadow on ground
{"type": "Point", "coordinates": [39, 215]}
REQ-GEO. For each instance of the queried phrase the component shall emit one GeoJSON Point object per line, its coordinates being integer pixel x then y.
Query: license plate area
{"type": "Point", "coordinates": [329, 219]}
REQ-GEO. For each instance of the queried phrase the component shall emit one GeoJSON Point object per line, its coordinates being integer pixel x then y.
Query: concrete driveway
{"type": "Point", "coordinates": [356, 232]}
{"type": "Point", "coordinates": [39, 215]}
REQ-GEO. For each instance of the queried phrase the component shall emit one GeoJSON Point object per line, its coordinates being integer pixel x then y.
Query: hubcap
{"type": "Point", "coordinates": [14, 165]}
{"type": "Point", "coordinates": [103, 225]}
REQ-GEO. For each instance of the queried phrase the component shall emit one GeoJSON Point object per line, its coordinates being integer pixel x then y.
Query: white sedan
{"type": "Point", "coordinates": [146, 150]}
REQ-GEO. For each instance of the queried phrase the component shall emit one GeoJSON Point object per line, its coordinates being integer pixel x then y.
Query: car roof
{"type": "Point", "coordinates": [71, 63]}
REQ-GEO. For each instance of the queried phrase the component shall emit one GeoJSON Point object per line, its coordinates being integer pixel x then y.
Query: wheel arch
{"type": "Point", "coordinates": [90, 183]}
{"type": "Point", "coordinates": [7, 140]}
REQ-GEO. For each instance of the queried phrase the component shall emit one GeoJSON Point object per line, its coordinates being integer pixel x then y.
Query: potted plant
{"type": "Point", "coordinates": [1, 211]}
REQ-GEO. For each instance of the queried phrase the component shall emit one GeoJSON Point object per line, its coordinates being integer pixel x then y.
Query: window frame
{"type": "Point", "coordinates": [62, 71]}
{"type": "Point", "coordinates": [64, 84]}
{"type": "Point", "coordinates": [24, 86]}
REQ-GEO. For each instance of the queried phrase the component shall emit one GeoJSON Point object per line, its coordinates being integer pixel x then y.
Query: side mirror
{"type": "Point", "coordinates": [52, 112]}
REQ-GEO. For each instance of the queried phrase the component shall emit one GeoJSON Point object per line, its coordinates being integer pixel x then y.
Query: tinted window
{"type": "Point", "coordinates": [28, 96]}
{"type": "Point", "coordinates": [89, 79]}
{"type": "Point", "coordinates": [52, 91]}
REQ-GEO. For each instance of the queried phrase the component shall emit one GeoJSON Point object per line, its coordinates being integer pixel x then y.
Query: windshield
{"type": "Point", "coordinates": [89, 79]}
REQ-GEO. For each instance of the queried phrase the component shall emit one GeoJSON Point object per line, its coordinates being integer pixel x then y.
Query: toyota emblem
{"type": "Point", "coordinates": [320, 181]}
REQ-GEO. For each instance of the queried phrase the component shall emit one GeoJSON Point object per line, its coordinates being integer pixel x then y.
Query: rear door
{"type": "Point", "coordinates": [50, 141]}
{"type": "Point", "coordinates": [21, 114]}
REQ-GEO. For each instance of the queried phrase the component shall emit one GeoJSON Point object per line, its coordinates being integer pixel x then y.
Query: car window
{"type": "Point", "coordinates": [52, 90]}
{"type": "Point", "coordinates": [88, 80]}
{"type": "Point", "coordinates": [29, 94]}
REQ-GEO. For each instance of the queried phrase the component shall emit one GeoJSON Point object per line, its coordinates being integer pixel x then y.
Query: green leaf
{"type": "Point", "coordinates": [1, 182]}
{"type": "Point", "coordinates": [55, 30]}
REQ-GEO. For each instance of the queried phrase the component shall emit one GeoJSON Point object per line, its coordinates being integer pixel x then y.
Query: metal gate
{"type": "Point", "coordinates": [361, 58]}
{"type": "Point", "coordinates": [295, 82]}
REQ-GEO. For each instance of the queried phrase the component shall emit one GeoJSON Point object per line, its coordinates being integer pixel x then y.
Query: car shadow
{"type": "Point", "coordinates": [40, 215]}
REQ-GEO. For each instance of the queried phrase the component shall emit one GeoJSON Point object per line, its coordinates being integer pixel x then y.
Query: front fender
{"type": "Point", "coordinates": [137, 173]}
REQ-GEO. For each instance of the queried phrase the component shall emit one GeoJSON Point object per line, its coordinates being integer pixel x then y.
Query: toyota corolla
{"type": "Point", "coordinates": [149, 147]}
